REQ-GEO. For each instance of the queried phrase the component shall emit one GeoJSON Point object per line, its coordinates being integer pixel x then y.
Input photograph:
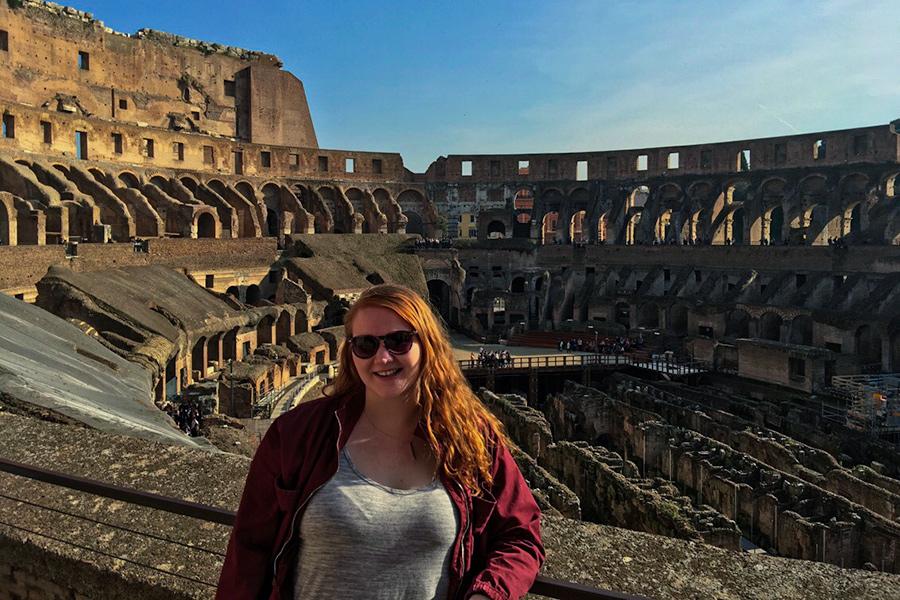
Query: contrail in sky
{"type": "Point", "coordinates": [780, 120]}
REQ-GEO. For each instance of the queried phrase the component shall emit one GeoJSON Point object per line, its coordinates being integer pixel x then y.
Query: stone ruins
{"type": "Point", "coordinates": [716, 412]}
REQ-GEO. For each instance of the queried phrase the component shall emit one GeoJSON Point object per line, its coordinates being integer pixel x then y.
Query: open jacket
{"type": "Point", "coordinates": [497, 551]}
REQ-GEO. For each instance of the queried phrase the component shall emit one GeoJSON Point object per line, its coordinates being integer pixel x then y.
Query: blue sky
{"type": "Point", "coordinates": [433, 78]}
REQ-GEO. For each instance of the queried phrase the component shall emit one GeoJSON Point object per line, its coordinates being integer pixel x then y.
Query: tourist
{"type": "Point", "coordinates": [400, 438]}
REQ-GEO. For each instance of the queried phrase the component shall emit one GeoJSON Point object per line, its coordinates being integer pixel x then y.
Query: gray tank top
{"type": "Point", "coordinates": [361, 539]}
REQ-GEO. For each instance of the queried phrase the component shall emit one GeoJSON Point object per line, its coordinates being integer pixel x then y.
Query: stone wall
{"type": "Point", "coordinates": [594, 555]}
{"type": "Point", "coordinates": [23, 266]}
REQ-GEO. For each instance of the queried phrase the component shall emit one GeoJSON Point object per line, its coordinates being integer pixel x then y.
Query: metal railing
{"type": "Point", "coordinates": [655, 363]}
{"type": "Point", "coordinates": [543, 586]}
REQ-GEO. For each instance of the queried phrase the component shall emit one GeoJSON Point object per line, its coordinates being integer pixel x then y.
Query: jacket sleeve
{"type": "Point", "coordinates": [247, 570]}
{"type": "Point", "coordinates": [513, 534]}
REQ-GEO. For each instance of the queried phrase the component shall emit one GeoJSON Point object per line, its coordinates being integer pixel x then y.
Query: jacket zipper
{"type": "Point", "coordinates": [462, 541]}
{"type": "Point", "coordinates": [299, 508]}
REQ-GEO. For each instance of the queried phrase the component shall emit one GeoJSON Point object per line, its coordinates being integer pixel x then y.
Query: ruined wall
{"type": "Point", "coordinates": [149, 78]}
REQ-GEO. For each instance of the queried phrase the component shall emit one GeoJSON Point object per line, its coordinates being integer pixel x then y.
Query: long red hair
{"type": "Point", "coordinates": [457, 425]}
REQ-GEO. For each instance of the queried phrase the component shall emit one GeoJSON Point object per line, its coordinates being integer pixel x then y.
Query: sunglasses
{"type": "Point", "coordinates": [395, 342]}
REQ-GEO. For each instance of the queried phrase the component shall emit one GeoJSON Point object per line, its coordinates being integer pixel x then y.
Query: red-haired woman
{"type": "Point", "coordinates": [397, 484]}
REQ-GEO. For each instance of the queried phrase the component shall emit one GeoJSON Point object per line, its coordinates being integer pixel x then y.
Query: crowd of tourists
{"type": "Point", "coordinates": [433, 243]}
{"type": "Point", "coordinates": [602, 345]}
{"type": "Point", "coordinates": [492, 359]}
{"type": "Point", "coordinates": [187, 416]}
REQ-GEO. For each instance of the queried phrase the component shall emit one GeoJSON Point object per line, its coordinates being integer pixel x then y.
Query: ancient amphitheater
{"type": "Point", "coordinates": [177, 254]}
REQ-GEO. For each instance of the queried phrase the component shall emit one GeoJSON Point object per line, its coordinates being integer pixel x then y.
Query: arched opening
{"type": "Point", "coordinates": [189, 183]}
{"type": "Point", "coordinates": [301, 325]}
{"type": "Point", "coordinates": [198, 357]}
{"type": "Point", "coordinates": [522, 225]}
{"type": "Point", "coordinates": [234, 291]}
{"type": "Point", "coordinates": [271, 223]}
{"type": "Point", "coordinates": [548, 228]}
{"type": "Point", "coordinates": [802, 330]}
{"type": "Point", "coordinates": [206, 226]}
{"type": "Point", "coordinates": [623, 314]}
{"type": "Point", "coordinates": [414, 224]}
{"type": "Point", "coordinates": [638, 197]}
{"type": "Point", "coordinates": [664, 232]}
{"type": "Point", "coordinates": [254, 295]}
{"type": "Point", "coordinates": [283, 328]}
{"type": "Point", "coordinates": [129, 179]}
{"type": "Point", "coordinates": [229, 345]}
{"type": "Point", "coordinates": [738, 324]}
{"type": "Point", "coordinates": [439, 296]}
{"type": "Point", "coordinates": [868, 348]}
{"type": "Point", "coordinates": [776, 225]}
{"type": "Point", "coordinates": [523, 204]}
{"type": "Point", "coordinates": [602, 225]}
{"type": "Point", "coordinates": [496, 230]}
{"type": "Point", "coordinates": [631, 228]}
{"type": "Point", "coordinates": [679, 319]}
{"type": "Point", "coordinates": [576, 228]}
{"type": "Point", "coordinates": [213, 355]}
{"type": "Point", "coordinates": [518, 285]}
{"type": "Point", "coordinates": [855, 218]}
{"type": "Point", "coordinates": [737, 227]}
{"type": "Point", "coordinates": [6, 226]}
{"type": "Point", "coordinates": [770, 326]}
{"type": "Point", "coordinates": [264, 330]}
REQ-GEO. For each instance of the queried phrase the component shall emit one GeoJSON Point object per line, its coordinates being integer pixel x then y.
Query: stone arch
{"type": "Point", "coordinates": [771, 195]}
{"type": "Point", "coordinates": [638, 197]}
{"type": "Point", "coordinates": [518, 285]}
{"type": "Point", "coordinates": [602, 227]}
{"type": "Point", "coordinates": [737, 227]}
{"type": "Point", "coordinates": [129, 179]}
{"type": "Point", "coordinates": [664, 227]}
{"type": "Point", "coordinates": [413, 202]}
{"type": "Point", "coordinates": [775, 217]}
{"type": "Point", "coordinates": [577, 231]}
{"type": "Point", "coordinates": [190, 183]}
{"type": "Point", "coordinates": [496, 230]}
{"type": "Point", "coordinates": [890, 185]}
{"type": "Point", "coordinates": [253, 294]}
{"type": "Point", "coordinates": [301, 323]}
{"type": "Point", "coordinates": [206, 224]}
{"type": "Point", "coordinates": [801, 331]}
{"type": "Point", "coordinates": [770, 326]}
{"type": "Point", "coordinates": [440, 296]}
{"type": "Point", "coordinates": [389, 208]}
{"type": "Point", "coordinates": [162, 183]}
{"type": "Point", "coordinates": [548, 227]}
{"type": "Point", "coordinates": [737, 324]}
{"type": "Point", "coordinates": [853, 189]}
{"type": "Point", "coordinates": [264, 330]}
{"type": "Point", "coordinates": [271, 193]}
{"type": "Point", "coordinates": [283, 327]}
{"type": "Point", "coordinates": [323, 221]}
{"type": "Point", "coordinates": [631, 228]}
{"type": "Point", "coordinates": [8, 221]}
{"type": "Point", "coordinates": [339, 207]}
{"type": "Point", "coordinates": [414, 223]}
{"type": "Point", "coordinates": [198, 357]}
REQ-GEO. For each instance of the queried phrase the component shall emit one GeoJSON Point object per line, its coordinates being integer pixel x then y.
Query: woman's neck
{"type": "Point", "coordinates": [395, 417]}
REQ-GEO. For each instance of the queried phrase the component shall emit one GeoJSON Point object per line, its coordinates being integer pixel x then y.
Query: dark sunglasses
{"type": "Point", "coordinates": [396, 342]}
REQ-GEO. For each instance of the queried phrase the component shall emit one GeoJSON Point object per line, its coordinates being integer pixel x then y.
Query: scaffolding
{"type": "Point", "coordinates": [872, 403]}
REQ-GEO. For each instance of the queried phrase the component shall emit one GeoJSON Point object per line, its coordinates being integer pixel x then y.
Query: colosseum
{"type": "Point", "coordinates": [695, 349]}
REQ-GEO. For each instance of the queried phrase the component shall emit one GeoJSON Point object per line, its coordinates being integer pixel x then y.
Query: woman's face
{"type": "Point", "coordinates": [386, 375]}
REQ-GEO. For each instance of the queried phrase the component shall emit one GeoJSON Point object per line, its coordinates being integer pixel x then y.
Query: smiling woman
{"type": "Point", "coordinates": [397, 484]}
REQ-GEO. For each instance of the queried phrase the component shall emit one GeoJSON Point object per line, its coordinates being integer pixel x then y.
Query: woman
{"type": "Point", "coordinates": [397, 484]}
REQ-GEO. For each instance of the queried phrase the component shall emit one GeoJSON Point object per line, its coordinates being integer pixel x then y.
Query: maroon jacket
{"type": "Point", "coordinates": [497, 551]}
